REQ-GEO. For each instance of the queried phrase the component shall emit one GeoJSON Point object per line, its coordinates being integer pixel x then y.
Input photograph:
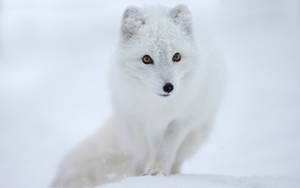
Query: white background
{"type": "Point", "coordinates": [54, 57]}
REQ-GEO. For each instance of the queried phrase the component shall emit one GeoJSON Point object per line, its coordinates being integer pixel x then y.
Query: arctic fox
{"type": "Point", "coordinates": [165, 92]}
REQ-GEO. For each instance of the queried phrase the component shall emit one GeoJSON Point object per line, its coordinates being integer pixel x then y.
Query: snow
{"type": "Point", "coordinates": [54, 57]}
{"type": "Point", "coordinates": [206, 181]}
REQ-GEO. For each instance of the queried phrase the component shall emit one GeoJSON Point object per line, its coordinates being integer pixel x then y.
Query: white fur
{"type": "Point", "coordinates": [148, 133]}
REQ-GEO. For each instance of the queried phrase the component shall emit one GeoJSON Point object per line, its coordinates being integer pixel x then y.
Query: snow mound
{"type": "Point", "coordinates": [204, 181]}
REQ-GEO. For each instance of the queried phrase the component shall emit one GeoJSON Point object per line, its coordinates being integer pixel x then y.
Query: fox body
{"type": "Point", "coordinates": [165, 93]}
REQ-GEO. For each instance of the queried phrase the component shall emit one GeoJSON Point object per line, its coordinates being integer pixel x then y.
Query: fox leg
{"type": "Point", "coordinates": [190, 145]}
{"type": "Point", "coordinates": [165, 156]}
{"type": "Point", "coordinates": [154, 138]}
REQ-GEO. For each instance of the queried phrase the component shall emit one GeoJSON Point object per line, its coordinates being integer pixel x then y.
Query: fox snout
{"type": "Point", "coordinates": [167, 89]}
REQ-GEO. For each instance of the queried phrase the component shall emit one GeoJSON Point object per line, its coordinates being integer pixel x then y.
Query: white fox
{"type": "Point", "coordinates": [165, 93]}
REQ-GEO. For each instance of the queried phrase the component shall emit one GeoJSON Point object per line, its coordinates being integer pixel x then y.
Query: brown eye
{"type": "Point", "coordinates": [176, 57]}
{"type": "Point", "coordinates": [147, 59]}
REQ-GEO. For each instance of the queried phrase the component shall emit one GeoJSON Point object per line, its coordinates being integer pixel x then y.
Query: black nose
{"type": "Point", "coordinates": [168, 87]}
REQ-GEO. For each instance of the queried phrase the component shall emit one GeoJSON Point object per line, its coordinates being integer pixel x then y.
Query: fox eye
{"type": "Point", "coordinates": [176, 57]}
{"type": "Point", "coordinates": [147, 59]}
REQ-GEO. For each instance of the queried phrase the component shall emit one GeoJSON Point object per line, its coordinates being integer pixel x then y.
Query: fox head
{"type": "Point", "coordinates": [157, 47]}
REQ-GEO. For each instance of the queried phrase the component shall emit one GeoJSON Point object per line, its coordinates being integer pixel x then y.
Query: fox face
{"type": "Point", "coordinates": [157, 47]}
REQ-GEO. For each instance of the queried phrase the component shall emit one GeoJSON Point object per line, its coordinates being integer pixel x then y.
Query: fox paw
{"type": "Point", "coordinates": [155, 172]}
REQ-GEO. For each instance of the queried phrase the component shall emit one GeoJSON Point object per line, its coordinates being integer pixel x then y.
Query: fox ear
{"type": "Point", "coordinates": [182, 16]}
{"type": "Point", "coordinates": [132, 21]}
